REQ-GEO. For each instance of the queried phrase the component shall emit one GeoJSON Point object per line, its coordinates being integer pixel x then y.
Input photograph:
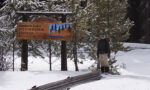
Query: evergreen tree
{"type": "Point", "coordinates": [9, 20]}
{"type": "Point", "coordinates": [79, 27]}
{"type": "Point", "coordinates": [108, 16]}
{"type": "Point", "coordinates": [98, 16]}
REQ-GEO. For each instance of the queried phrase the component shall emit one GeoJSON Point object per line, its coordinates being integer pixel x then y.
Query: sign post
{"type": "Point", "coordinates": [48, 20]}
{"type": "Point", "coordinates": [37, 30]}
{"type": "Point", "coordinates": [24, 52]}
{"type": "Point", "coordinates": [63, 51]}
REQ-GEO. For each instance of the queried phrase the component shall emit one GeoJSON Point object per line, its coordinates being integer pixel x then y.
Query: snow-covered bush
{"type": "Point", "coordinates": [4, 63]}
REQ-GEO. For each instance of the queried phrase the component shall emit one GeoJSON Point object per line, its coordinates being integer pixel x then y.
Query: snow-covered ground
{"type": "Point", "coordinates": [134, 76]}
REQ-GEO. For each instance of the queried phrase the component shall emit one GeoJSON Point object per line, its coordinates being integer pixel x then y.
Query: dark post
{"type": "Point", "coordinates": [50, 56]}
{"type": "Point", "coordinates": [63, 51]}
{"type": "Point", "coordinates": [1, 59]}
{"type": "Point", "coordinates": [24, 52]}
{"type": "Point", "coordinates": [13, 56]}
{"type": "Point", "coordinates": [13, 52]}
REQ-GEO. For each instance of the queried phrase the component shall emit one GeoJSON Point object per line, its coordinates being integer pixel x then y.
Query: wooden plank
{"type": "Point", "coordinates": [43, 13]}
{"type": "Point", "coordinates": [70, 82]}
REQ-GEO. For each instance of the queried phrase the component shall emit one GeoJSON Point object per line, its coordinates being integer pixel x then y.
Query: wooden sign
{"type": "Point", "coordinates": [44, 31]}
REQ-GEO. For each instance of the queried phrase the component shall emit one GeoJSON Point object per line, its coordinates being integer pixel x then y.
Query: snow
{"type": "Point", "coordinates": [137, 46]}
{"type": "Point", "coordinates": [117, 83]}
{"type": "Point", "coordinates": [136, 61]}
{"type": "Point", "coordinates": [26, 80]}
{"type": "Point", "coordinates": [135, 74]}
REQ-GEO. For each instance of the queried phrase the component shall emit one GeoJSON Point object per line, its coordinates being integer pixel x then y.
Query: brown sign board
{"type": "Point", "coordinates": [44, 31]}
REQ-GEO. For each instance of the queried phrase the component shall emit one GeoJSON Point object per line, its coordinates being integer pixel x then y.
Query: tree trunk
{"type": "Point", "coordinates": [108, 9]}
{"type": "Point", "coordinates": [1, 59]}
{"type": "Point", "coordinates": [75, 57]}
{"type": "Point", "coordinates": [13, 47]}
{"type": "Point", "coordinates": [75, 49]}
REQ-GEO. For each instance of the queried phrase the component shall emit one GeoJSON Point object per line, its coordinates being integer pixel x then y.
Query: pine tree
{"type": "Point", "coordinates": [108, 16]}
{"type": "Point", "coordinates": [9, 20]}
{"type": "Point", "coordinates": [98, 16]}
{"type": "Point", "coordinates": [79, 27]}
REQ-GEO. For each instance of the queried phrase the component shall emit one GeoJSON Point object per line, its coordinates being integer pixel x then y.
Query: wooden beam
{"type": "Point", "coordinates": [63, 51]}
{"type": "Point", "coordinates": [24, 52]}
{"type": "Point", "coordinates": [43, 13]}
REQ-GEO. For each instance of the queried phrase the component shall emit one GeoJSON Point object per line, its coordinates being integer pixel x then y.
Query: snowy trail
{"type": "Point", "coordinates": [26, 80]}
